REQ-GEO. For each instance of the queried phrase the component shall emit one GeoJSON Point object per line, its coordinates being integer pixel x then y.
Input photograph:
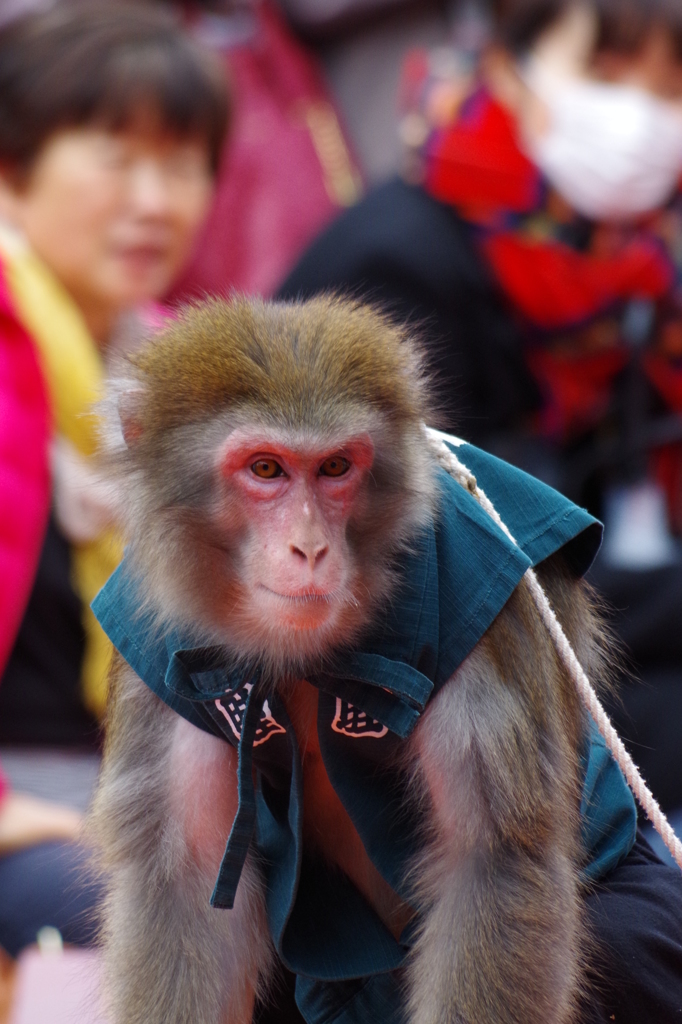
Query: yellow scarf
{"type": "Point", "coordinates": [74, 373]}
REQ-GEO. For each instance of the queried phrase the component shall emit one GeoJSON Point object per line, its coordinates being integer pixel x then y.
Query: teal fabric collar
{"type": "Point", "coordinates": [455, 580]}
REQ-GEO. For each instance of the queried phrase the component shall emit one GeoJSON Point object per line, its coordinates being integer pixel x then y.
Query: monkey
{"type": "Point", "coordinates": [339, 737]}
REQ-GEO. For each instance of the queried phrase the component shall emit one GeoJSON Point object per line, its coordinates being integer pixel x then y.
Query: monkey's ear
{"type": "Point", "coordinates": [130, 415]}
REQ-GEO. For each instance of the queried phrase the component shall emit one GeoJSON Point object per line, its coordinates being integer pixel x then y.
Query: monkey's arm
{"type": "Point", "coordinates": [166, 801]}
{"type": "Point", "coordinates": [498, 886]}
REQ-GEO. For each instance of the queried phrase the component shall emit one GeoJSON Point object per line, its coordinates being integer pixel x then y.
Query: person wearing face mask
{"type": "Point", "coordinates": [538, 243]}
{"type": "Point", "coordinates": [112, 121]}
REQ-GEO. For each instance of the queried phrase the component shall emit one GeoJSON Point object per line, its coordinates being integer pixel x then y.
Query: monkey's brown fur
{"type": "Point", "coordinates": [169, 956]}
{"type": "Point", "coordinates": [295, 364]}
{"type": "Point", "coordinates": [504, 938]}
{"type": "Point", "coordinates": [494, 758]}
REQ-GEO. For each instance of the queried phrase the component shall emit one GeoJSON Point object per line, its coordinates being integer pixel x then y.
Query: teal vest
{"type": "Point", "coordinates": [456, 578]}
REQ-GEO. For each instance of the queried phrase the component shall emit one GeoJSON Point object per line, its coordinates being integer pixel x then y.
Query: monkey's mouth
{"type": "Point", "coordinates": [303, 597]}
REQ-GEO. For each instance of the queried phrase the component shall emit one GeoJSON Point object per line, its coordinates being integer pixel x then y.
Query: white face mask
{"type": "Point", "coordinates": [612, 151]}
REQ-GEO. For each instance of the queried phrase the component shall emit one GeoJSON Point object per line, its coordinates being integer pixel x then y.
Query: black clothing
{"type": "Point", "coordinates": [645, 611]}
{"type": "Point", "coordinates": [40, 691]}
{"type": "Point", "coordinates": [53, 884]}
{"type": "Point", "coordinates": [415, 257]}
{"type": "Point", "coordinates": [635, 916]}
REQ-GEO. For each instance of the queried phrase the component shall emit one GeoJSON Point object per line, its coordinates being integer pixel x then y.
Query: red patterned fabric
{"type": "Point", "coordinates": [476, 163]}
{"type": "Point", "coordinates": [569, 297]}
{"type": "Point", "coordinates": [24, 469]}
{"type": "Point", "coordinates": [578, 388]}
{"type": "Point", "coordinates": [554, 286]}
{"type": "Point", "coordinates": [667, 378]}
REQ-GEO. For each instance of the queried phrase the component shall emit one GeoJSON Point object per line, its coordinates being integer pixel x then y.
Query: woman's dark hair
{"type": "Point", "coordinates": [623, 24]}
{"type": "Point", "coordinates": [105, 64]}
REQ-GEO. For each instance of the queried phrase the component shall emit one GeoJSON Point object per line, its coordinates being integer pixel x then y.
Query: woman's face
{"type": "Point", "coordinates": [113, 214]}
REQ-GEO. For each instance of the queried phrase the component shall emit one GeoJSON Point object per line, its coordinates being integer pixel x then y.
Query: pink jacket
{"type": "Point", "coordinates": [24, 470]}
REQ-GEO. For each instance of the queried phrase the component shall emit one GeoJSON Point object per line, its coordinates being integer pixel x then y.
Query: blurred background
{"type": "Point", "coordinates": [503, 174]}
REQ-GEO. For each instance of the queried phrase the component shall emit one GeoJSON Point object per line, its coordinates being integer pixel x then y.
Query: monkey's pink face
{"type": "Point", "coordinates": [295, 503]}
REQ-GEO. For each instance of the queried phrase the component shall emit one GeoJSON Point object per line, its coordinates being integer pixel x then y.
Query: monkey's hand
{"type": "Point", "coordinates": [164, 808]}
{"type": "Point", "coordinates": [498, 885]}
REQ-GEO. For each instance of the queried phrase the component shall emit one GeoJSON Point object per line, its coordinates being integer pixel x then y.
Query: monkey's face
{"type": "Point", "coordinates": [280, 545]}
{"type": "Point", "coordinates": [294, 502]}
{"type": "Point", "coordinates": [275, 466]}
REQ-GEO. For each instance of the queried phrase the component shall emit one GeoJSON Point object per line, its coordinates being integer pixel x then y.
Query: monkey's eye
{"type": "Point", "coordinates": [266, 469]}
{"type": "Point", "coordinates": [335, 465]}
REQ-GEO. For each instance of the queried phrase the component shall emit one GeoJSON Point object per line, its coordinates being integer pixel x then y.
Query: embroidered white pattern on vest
{"type": "Point", "coordinates": [351, 721]}
{"type": "Point", "coordinates": [234, 709]}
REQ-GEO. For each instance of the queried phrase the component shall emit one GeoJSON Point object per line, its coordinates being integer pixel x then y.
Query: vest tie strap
{"type": "Point", "coordinates": [245, 820]}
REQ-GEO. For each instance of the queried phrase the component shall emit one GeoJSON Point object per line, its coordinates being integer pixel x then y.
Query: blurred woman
{"type": "Point", "coordinates": [111, 125]}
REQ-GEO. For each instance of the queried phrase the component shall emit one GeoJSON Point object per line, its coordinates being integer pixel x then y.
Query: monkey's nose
{"type": "Point", "coordinates": [313, 554]}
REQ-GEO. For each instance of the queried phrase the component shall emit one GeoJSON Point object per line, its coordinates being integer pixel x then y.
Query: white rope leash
{"type": "Point", "coordinates": [449, 461]}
